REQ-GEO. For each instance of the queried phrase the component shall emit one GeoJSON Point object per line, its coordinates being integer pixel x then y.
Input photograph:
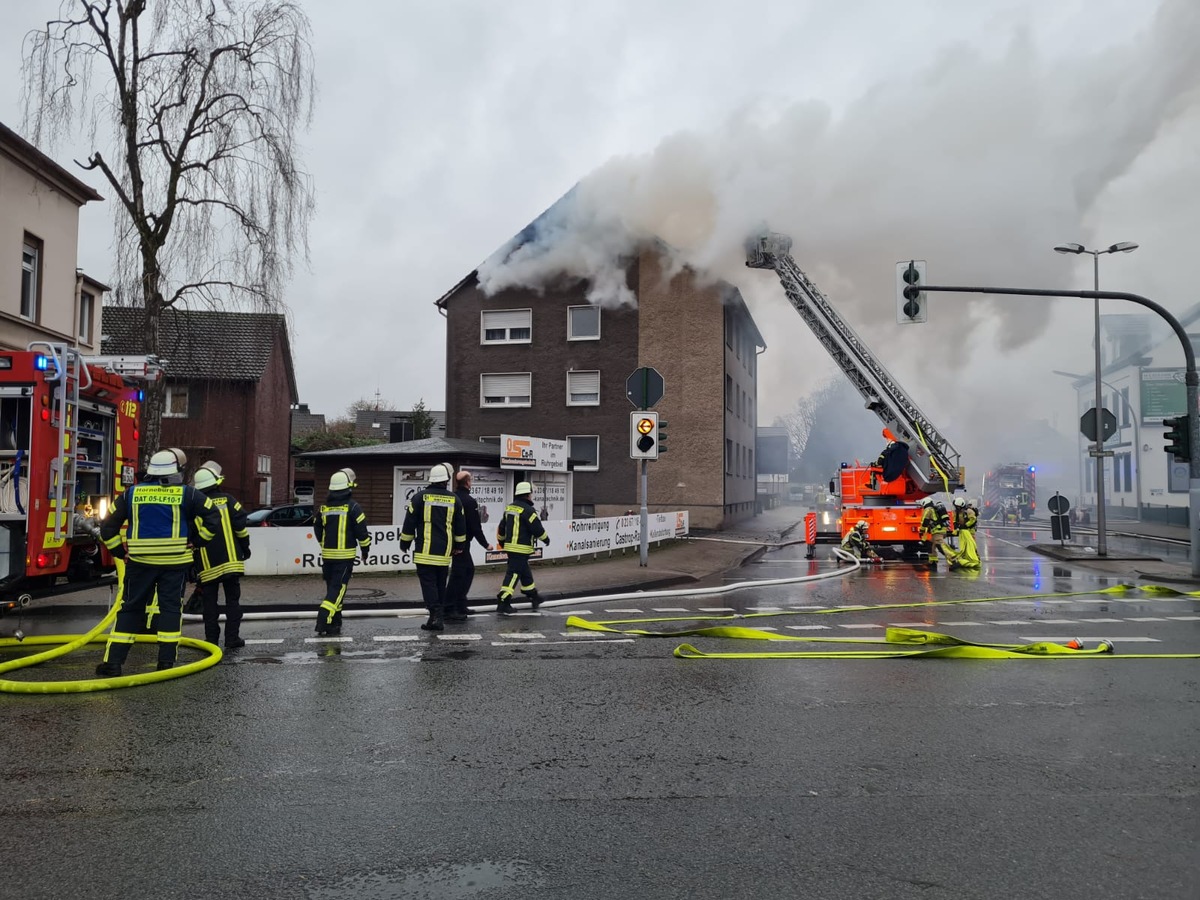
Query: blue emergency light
{"type": "Point", "coordinates": [41, 363]}
{"type": "Point", "coordinates": [141, 396]}
{"type": "Point", "coordinates": [1033, 468]}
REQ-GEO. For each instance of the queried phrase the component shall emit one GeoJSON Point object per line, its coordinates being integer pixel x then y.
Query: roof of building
{"type": "Point", "coordinates": [366, 420]}
{"type": "Point", "coordinates": [210, 345]}
{"type": "Point", "coordinates": [44, 167]}
{"type": "Point", "coordinates": [451, 449]}
{"type": "Point", "coordinates": [304, 421]}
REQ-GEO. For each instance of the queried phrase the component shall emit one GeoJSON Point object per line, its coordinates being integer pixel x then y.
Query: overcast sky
{"type": "Point", "coordinates": [441, 129]}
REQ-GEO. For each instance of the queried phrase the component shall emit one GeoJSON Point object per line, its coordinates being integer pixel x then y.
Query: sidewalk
{"type": "Point", "coordinates": [1129, 566]}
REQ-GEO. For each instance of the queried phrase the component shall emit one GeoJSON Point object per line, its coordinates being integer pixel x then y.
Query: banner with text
{"type": "Point", "coordinates": [519, 451]}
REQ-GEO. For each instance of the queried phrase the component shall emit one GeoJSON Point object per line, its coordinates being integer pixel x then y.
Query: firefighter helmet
{"type": "Point", "coordinates": [523, 488]}
{"type": "Point", "coordinates": [204, 479]}
{"type": "Point", "coordinates": [861, 524]}
{"type": "Point", "coordinates": [925, 501]}
{"type": "Point", "coordinates": [960, 502]}
{"type": "Point", "coordinates": [439, 474]}
{"type": "Point", "coordinates": [342, 480]}
{"type": "Point", "coordinates": [212, 466]}
{"type": "Point", "coordinates": [164, 462]}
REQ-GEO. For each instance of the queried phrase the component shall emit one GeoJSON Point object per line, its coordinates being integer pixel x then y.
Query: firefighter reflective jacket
{"type": "Point", "coordinates": [965, 519]}
{"type": "Point", "coordinates": [225, 554]}
{"type": "Point", "coordinates": [341, 527]}
{"type": "Point", "coordinates": [159, 517]}
{"type": "Point", "coordinates": [435, 521]}
{"type": "Point", "coordinates": [933, 522]}
{"type": "Point", "coordinates": [520, 527]}
{"type": "Point", "coordinates": [856, 542]}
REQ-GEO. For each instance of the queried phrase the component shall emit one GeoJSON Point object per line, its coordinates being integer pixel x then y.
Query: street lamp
{"type": "Point", "coordinates": [1123, 247]}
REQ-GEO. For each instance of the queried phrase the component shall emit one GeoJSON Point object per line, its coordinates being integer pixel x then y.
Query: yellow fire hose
{"type": "Point", "coordinates": [67, 643]}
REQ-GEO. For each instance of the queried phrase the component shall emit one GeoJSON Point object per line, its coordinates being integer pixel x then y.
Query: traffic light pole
{"type": "Point", "coordinates": [644, 542]}
{"type": "Point", "coordinates": [1191, 381]}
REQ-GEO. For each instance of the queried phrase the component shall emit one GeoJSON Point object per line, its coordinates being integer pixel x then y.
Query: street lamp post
{"type": "Point", "coordinates": [1098, 453]}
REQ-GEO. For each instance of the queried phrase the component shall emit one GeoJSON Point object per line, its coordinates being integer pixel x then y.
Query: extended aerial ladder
{"type": "Point", "coordinates": [933, 464]}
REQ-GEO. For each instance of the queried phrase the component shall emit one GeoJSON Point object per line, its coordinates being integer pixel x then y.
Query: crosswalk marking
{"type": "Point", "coordinates": [869, 625]}
{"type": "Point", "coordinates": [1060, 639]}
{"type": "Point", "coordinates": [329, 640]}
{"type": "Point", "coordinates": [264, 640]}
{"type": "Point", "coordinates": [952, 624]}
{"type": "Point", "coordinates": [590, 640]}
{"type": "Point", "coordinates": [808, 627]}
{"type": "Point", "coordinates": [671, 609]}
{"type": "Point", "coordinates": [716, 609]}
{"type": "Point", "coordinates": [1184, 618]}
{"type": "Point", "coordinates": [623, 611]}
{"type": "Point", "coordinates": [1101, 620]}
{"type": "Point", "coordinates": [452, 638]}
{"type": "Point", "coordinates": [1008, 621]}
{"type": "Point", "coordinates": [395, 637]}
{"type": "Point", "coordinates": [521, 636]}
{"type": "Point", "coordinates": [1146, 619]}
{"type": "Point", "coordinates": [1058, 621]}
{"type": "Point", "coordinates": [571, 612]}
{"type": "Point", "coordinates": [767, 608]}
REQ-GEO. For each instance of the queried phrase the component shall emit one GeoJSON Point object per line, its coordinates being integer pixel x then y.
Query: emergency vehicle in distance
{"type": "Point", "coordinates": [69, 434]}
{"type": "Point", "coordinates": [1010, 491]}
{"type": "Point", "coordinates": [929, 465]}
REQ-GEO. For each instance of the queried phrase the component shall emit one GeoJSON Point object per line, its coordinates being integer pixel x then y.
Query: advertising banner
{"type": "Point", "coordinates": [522, 452]}
{"type": "Point", "coordinates": [294, 551]}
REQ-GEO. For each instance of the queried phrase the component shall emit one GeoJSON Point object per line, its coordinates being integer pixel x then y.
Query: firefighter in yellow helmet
{"type": "Point", "coordinates": [157, 513]}
{"type": "Point", "coordinates": [434, 520]}
{"type": "Point", "coordinates": [966, 520]}
{"type": "Point", "coordinates": [519, 530]}
{"type": "Point", "coordinates": [341, 530]}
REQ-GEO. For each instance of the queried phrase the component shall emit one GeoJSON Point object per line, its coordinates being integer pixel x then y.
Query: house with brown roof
{"type": "Point", "coordinates": [544, 361]}
{"type": "Point", "coordinates": [231, 386]}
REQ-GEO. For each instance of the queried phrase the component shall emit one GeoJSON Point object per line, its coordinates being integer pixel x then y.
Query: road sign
{"type": "Point", "coordinates": [644, 387]}
{"type": "Point", "coordinates": [1087, 424]}
{"type": "Point", "coordinates": [1059, 505]}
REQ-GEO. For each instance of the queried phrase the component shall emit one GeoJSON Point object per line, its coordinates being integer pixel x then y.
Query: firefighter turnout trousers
{"type": "Point", "coordinates": [233, 609]}
{"type": "Point", "coordinates": [517, 574]}
{"type": "Point", "coordinates": [337, 574]}
{"type": "Point", "coordinates": [462, 576]}
{"type": "Point", "coordinates": [433, 580]}
{"type": "Point", "coordinates": [138, 599]}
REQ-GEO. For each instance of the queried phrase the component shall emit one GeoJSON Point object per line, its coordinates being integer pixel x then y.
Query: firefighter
{"type": "Point", "coordinates": [158, 513]}
{"type": "Point", "coordinates": [856, 542]}
{"type": "Point", "coordinates": [933, 528]}
{"type": "Point", "coordinates": [222, 561]}
{"type": "Point", "coordinates": [435, 521]}
{"type": "Point", "coordinates": [462, 567]}
{"type": "Point", "coordinates": [966, 520]}
{"type": "Point", "coordinates": [341, 530]}
{"type": "Point", "coordinates": [518, 530]}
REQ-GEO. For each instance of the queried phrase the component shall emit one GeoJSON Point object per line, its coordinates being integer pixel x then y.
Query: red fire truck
{"type": "Point", "coordinates": [69, 429]}
{"type": "Point", "coordinates": [1010, 492]}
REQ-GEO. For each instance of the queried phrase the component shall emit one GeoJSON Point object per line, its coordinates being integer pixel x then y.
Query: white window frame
{"type": "Point", "coordinates": [573, 392]}
{"type": "Point", "coordinates": [87, 305]}
{"type": "Point", "coordinates": [264, 465]}
{"type": "Point", "coordinates": [511, 317]}
{"type": "Point", "coordinates": [507, 397]}
{"type": "Point", "coordinates": [31, 248]}
{"type": "Point", "coordinates": [594, 437]}
{"type": "Point", "coordinates": [571, 336]}
{"type": "Point", "coordinates": [264, 492]}
{"type": "Point", "coordinates": [172, 391]}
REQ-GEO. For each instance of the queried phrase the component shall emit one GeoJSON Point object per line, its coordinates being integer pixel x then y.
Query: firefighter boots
{"type": "Point", "coordinates": [108, 670]}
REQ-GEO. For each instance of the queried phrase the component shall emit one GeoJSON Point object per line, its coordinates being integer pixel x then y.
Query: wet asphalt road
{"type": "Point", "coordinates": [527, 763]}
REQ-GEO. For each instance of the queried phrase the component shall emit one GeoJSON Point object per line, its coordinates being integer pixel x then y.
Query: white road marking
{"type": "Point", "coordinates": [805, 608]}
{"type": "Point", "coordinates": [1008, 622]}
{"type": "Point", "coordinates": [861, 626]}
{"type": "Point", "coordinates": [623, 611]}
{"type": "Point", "coordinates": [558, 643]}
{"type": "Point", "coordinates": [264, 640]}
{"type": "Point", "coordinates": [329, 640]}
{"type": "Point", "coordinates": [951, 624]}
{"type": "Point", "coordinates": [571, 612]}
{"type": "Point", "coordinates": [1101, 620]}
{"type": "Point", "coordinates": [717, 609]}
{"type": "Point", "coordinates": [395, 637]}
{"type": "Point", "coordinates": [522, 636]}
{"type": "Point", "coordinates": [1184, 618]}
{"type": "Point", "coordinates": [766, 628]}
{"type": "Point", "coordinates": [808, 627]}
{"type": "Point", "coordinates": [459, 637]}
{"type": "Point", "coordinates": [670, 609]}
{"type": "Point", "coordinates": [1058, 621]}
{"type": "Point", "coordinates": [767, 608]}
{"type": "Point", "coordinates": [1146, 619]}
{"type": "Point", "coordinates": [1064, 638]}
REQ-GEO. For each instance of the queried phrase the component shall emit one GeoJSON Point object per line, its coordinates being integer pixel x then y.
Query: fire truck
{"type": "Point", "coordinates": [933, 465]}
{"type": "Point", "coordinates": [69, 430]}
{"type": "Point", "coordinates": [1010, 491]}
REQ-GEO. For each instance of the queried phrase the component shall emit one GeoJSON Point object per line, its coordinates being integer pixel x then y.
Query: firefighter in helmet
{"type": "Point", "coordinates": [222, 561]}
{"type": "Point", "coordinates": [340, 528]}
{"type": "Point", "coordinates": [158, 513]}
{"type": "Point", "coordinates": [933, 528]}
{"type": "Point", "coordinates": [434, 520]}
{"type": "Point", "coordinates": [966, 520]}
{"type": "Point", "coordinates": [519, 530]}
{"type": "Point", "coordinates": [855, 542]}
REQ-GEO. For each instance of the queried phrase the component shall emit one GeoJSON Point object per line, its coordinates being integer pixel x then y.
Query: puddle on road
{"type": "Point", "coordinates": [444, 882]}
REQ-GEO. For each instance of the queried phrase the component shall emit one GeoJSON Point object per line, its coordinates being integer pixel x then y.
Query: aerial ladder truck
{"type": "Point", "coordinates": [933, 464]}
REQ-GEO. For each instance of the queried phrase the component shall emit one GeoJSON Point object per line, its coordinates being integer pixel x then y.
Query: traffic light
{"type": "Point", "coordinates": [662, 436]}
{"type": "Point", "coordinates": [911, 302]}
{"type": "Point", "coordinates": [1179, 437]}
{"type": "Point", "coordinates": [643, 435]}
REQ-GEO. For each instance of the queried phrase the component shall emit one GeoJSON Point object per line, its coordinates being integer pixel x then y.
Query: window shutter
{"type": "Point", "coordinates": [507, 318]}
{"type": "Point", "coordinates": [583, 382]}
{"type": "Point", "coordinates": [506, 385]}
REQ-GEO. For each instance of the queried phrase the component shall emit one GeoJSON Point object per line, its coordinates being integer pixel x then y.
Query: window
{"type": "Point", "coordinates": [728, 328]}
{"type": "Point", "coordinates": [176, 404]}
{"type": "Point", "coordinates": [506, 326]}
{"type": "Point", "coordinates": [728, 456]}
{"type": "Point", "coordinates": [729, 392]}
{"type": "Point", "coordinates": [583, 388]}
{"type": "Point", "coordinates": [1124, 404]}
{"type": "Point", "coordinates": [584, 511]}
{"type": "Point", "coordinates": [264, 465]}
{"type": "Point", "coordinates": [510, 389]}
{"type": "Point", "coordinates": [585, 450]}
{"type": "Point", "coordinates": [264, 492]}
{"type": "Point", "coordinates": [583, 323]}
{"type": "Point", "coordinates": [31, 277]}
{"type": "Point", "coordinates": [87, 302]}
{"type": "Point", "coordinates": [752, 473]}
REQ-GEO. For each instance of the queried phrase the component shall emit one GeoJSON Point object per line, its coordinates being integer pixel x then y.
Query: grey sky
{"type": "Point", "coordinates": [442, 129]}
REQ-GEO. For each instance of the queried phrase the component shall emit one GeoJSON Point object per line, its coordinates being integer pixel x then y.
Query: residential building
{"type": "Point", "coordinates": [48, 298]}
{"type": "Point", "coordinates": [548, 363]}
{"type": "Point", "coordinates": [230, 390]}
{"type": "Point", "coordinates": [1141, 384]}
{"type": "Point", "coordinates": [774, 465]}
{"type": "Point", "coordinates": [392, 425]}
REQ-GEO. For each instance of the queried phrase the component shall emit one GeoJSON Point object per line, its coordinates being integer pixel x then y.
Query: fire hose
{"type": "Point", "coordinates": [62, 644]}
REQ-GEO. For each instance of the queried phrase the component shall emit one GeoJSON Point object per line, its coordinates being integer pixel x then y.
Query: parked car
{"type": "Point", "coordinates": [282, 516]}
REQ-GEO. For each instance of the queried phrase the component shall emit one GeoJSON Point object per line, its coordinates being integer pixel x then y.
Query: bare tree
{"type": "Point", "coordinates": [198, 104]}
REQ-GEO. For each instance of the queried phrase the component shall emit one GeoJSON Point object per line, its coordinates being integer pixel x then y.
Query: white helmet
{"type": "Point", "coordinates": [165, 462]}
{"type": "Point", "coordinates": [959, 502]}
{"type": "Point", "coordinates": [523, 488]}
{"type": "Point", "coordinates": [204, 479]}
{"type": "Point", "coordinates": [439, 474]}
{"type": "Point", "coordinates": [342, 480]}
{"type": "Point", "coordinates": [215, 467]}
{"type": "Point", "coordinates": [861, 524]}
{"type": "Point", "coordinates": [925, 501]}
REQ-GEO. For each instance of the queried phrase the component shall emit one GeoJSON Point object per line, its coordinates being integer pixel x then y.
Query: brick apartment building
{"type": "Point", "coordinates": [550, 364]}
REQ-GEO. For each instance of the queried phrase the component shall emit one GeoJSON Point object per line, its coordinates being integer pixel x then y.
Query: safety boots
{"type": "Point", "coordinates": [435, 623]}
{"type": "Point", "coordinates": [108, 670]}
{"type": "Point", "coordinates": [504, 605]}
{"type": "Point", "coordinates": [535, 599]}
